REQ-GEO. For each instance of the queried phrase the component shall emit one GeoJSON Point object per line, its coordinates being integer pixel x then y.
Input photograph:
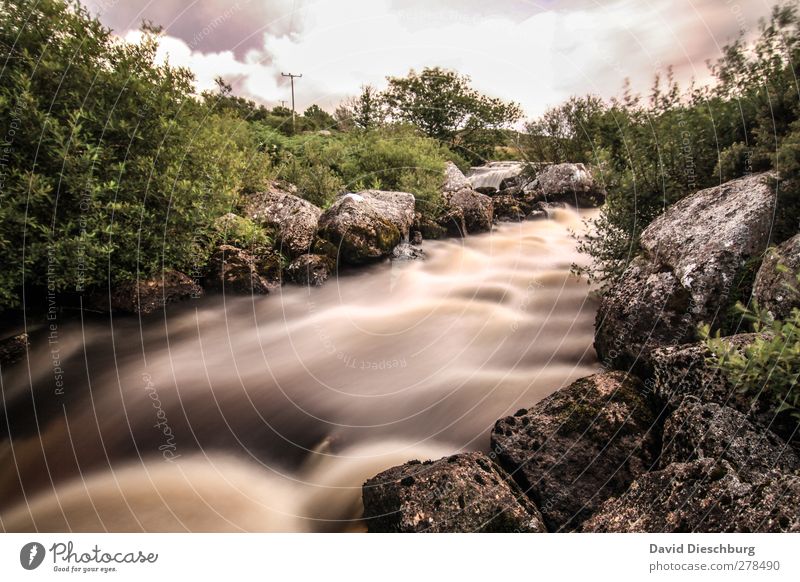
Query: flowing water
{"type": "Point", "coordinates": [268, 413]}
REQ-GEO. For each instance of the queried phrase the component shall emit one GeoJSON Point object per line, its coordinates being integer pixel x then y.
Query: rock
{"type": "Point", "coordinates": [495, 176]}
{"type": "Point", "coordinates": [477, 209]}
{"type": "Point", "coordinates": [706, 430]}
{"type": "Point", "coordinates": [461, 493]}
{"type": "Point", "coordinates": [454, 179]}
{"type": "Point", "coordinates": [579, 446]}
{"type": "Point", "coordinates": [147, 295]}
{"type": "Point", "coordinates": [686, 270]}
{"type": "Point", "coordinates": [292, 219]}
{"type": "Point", "coordinates": [507, 208]}
{"type": "Point", "coordinates": [568, 183]}
{"type": "Point", "coordinates": [706, 495]}
{"type": "Point", "coordinates": [13, 349]}
{"type": "Point", "coordinates": [416, 237]}
{"type": "Point", "coordinates": [544, 210]}
{"type": "Point", "coordinates": [407, 252]}
{"type": "Point", "coordinates": [311, 270]}
{"type": "Point", "coordinates": [367, 226]}
{"type": "Point", "coordinates": [772, 288]}
{"type": "Point", "coordinates": [232, 270]}
{"type": "Point", "coordinates": [452, 220]}
{"type": "Point", "coordinates": [428, 228]}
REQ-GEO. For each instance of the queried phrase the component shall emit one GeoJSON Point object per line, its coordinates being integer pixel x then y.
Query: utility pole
{"type": "Point", "coordinates": [282, 102]}
{"type": "Point", "coordinates": [292, 77]}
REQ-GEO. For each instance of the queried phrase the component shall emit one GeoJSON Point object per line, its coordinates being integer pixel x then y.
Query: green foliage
{"type": "Point", "coordinates": [443, 105]}
{"type": "Point", "coordinates": [367, 111]}
{"type": "Point", "coordinates": [240, 232]}
{"type": "Point", "coordinates": [769, 367]}
{"type": "Point", "coordinates": [111, 167]}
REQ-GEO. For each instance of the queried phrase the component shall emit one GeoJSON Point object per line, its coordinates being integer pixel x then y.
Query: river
{"type": "Point", "coordinates": [267, 413]}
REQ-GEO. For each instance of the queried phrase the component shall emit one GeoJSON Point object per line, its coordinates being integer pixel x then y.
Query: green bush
{"type": "Point", "coordinates": [769, 367]}
{"type": "Point", "coordinates": [112, 168]}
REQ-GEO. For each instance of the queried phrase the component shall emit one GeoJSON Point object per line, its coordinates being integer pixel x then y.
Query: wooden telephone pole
{"type": "Point", "coordinates": [292, 77]}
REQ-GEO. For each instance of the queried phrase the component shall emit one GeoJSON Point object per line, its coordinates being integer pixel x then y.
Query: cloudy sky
{"type": "Point", "coordinates": [534, 52]}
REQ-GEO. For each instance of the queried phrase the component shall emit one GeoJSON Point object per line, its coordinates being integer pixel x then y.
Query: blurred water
{"type": "Point", "coordinates": [268, 413]}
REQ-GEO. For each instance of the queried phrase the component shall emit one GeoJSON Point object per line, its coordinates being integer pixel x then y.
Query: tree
{"type": "Point", "coordinates": [318, 118]}
{"type": "Point", "coordinates": [366, 111]}
{"type": "Point", "coordinates": [445, 107]}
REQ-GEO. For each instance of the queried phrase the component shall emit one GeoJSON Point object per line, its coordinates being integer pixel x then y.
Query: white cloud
{"type": "Point", "coordinates": [536, 57]}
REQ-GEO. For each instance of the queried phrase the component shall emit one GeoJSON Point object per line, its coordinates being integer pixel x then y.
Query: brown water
{"type": "Point", "coordinates": [268, 413]}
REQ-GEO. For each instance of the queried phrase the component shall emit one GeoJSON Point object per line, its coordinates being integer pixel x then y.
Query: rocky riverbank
{"type": "Point", "coordinates": [309, 244]}
{"type": "Point", "coordinates": [659, 442]}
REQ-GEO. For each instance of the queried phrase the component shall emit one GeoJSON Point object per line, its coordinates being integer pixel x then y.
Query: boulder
{"type": "Point", "coordinates": [706, 430]}
{"type": "Point", "coordinates": [366, 226]}
{"type": "Point", "coordinates": [691, 256]}
{"type": "Point", "coordinates": [454, 179]}
{"type": "Point", "coordinates": [146, 296]}
{"type": "Point", "coordinates": [540, 210]}
{"type": "Point", "coordinates": [507, 208]}
{"type": "Point", "coordinates": [292, 219]}
{"type": "Point", "coordinates": [452, 221]}
{"type": "Point", "coordinates": [13, 349]}
{"type": "Point", "coordinates": [408, 252]}
{"type": "Point", "coordinates": [461, 493]}
{"type": "Point", "coordinates": [579, 446]}
{"type": "Point", "coordinates": [568, 183]}
{"type": "Point", "coordinates": [706, 495]}
{"type": "Point", "coordinates": [428, 228]}
{"type": "Point", "coordinates": [776, 290]}
{"type": "Point", "coordinates": [233, 270]}
{"type": "Point", "coordinates": [310, 270]}
{"type": "Point", "coordinates": [477, 209]}
{"type": "Point", "coordinates": [416, 238]}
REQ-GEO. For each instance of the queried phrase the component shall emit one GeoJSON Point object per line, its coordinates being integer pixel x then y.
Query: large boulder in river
{"type": "Point", "coordinates": [366, 226]}
{"type": "Point", "coordinates": [292, 219]}
{"type": "Point", "coordinates": [13, 349]}
{"type": "Point", "coordinates": [461, 493]}
{"type": "Point", "coordinates": [579, 446]}
{"type": "Point", "coordinates": [569, 183]}
{"type": "Point", "coordinates": [233, 270]}
{"type": "Point", "coordinates": [775, 288]}
{"type": "Point", "coordinates": [706, 495]}
{"type": "Point", "coordinates": [509, 208]}
{"type": "Point", "coordinates": [691, 256]}
{"type": "Point", "coordinates": [706, 430]}
{"type": "Point", "coordinates": [310, 270]}
{"type": "Point", "coordinates": [476, 210]}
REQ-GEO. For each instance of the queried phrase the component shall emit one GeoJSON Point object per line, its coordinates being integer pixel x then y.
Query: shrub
{"type": "Point", "coordinates": [769, 367]}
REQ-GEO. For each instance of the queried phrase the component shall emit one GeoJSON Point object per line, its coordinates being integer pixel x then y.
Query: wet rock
{"type": "Point", "coordinates": [454, 179]}
{"type": "Point", "coordinates": [507, 208]}
{"type": "Point", "coordinates": [233, 270]}
{"type": "Point", "coordinates": [477, 209]}
{"type": "Point", "coordinates": [776, 290]}
{"type": "Point", "coordinates": [428, 228]}
{"type": "Point", "coordinates": [579, 446]}
{"type": "Point", "coordinates": [539, 210]}
{"type": "Point", "coordinates": [365, 227]}
{"type": "Point", "coordinates": [416, 237]}
{"type": "Point", "coordinates": [292, 219]}
{"type": "Point", "coordinates": [706, 430]}
{"type": "Point", "coordinates": [706, 495]}
{"type": "Point", "coordinates": [408, 252]}
{"type": "Point", "coordinates": [13, 349]}
{"type": "Point", "coordinates": [686, 270]}
{"type": "Point", "coordinates": [452, 221]}
{"type": "Point", "coordinates": [568, 183]}
{"type": "Point", "coordinates": [310, 270]}
{"type": "Point", "coordinates": [461, 493]}
{"type": "Point", "coordinates": [147, 295]}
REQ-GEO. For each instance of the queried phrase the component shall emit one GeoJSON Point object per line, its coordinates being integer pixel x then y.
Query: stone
{"type": "Point", "coordinates": [507, 208]}
{"type": "Point", "coordinates": [408, 252]}
{"type": "Point", "coordinates": [147, 296]}
{"type": "Point", "coordinates": [691, 257]}
{"type": "Point", "coordinates": [454, 179]}
{"type": "Point", "coordinates": [707, 430]}
{"type": "Point", "coordinates": [13, 349]}
{"type": "Point", "coordinates": [477, 209]}
{"type": "Point", "coordinates": [233, 270]}
{"type": "Point", "coordinates": [310, 270]}
{"type": "Point", "coordinates": [579, 446]}
{"type": "Point", "coordinates": [292, 219]}
{"type": "Point", "coordinates": [365, 227]}
{"type": "Point", "coordinates": [462, 493]}
{"type": "Point", "coordinates": [429, 229]}
{"type": "Point", "coordinates": [568, 183]}
{"type": "Point", "coordinates": [776, 290]}
{"type": "Point", "coordinates": [706, 495]}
